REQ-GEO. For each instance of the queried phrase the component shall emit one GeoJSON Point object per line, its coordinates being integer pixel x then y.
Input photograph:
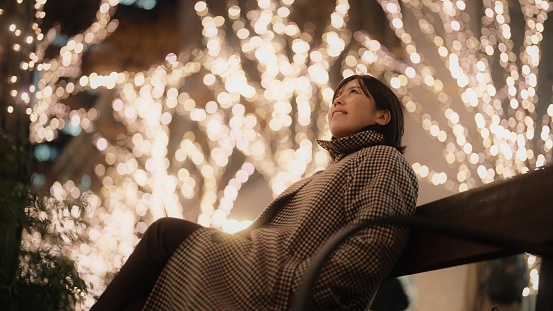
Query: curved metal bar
{"type": "Point", "coordinates": [304, 292]}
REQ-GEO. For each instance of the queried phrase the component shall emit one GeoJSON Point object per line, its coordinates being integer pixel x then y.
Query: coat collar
{"type": "Point", "coordinates": [341, 147]}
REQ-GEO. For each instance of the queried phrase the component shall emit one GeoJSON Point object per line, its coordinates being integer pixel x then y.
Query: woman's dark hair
{"type": "Point", "coordinates": [384, 99]}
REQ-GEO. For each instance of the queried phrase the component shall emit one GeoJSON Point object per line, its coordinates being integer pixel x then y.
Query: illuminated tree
{"type": "Point", "coordinates": [254, 96]}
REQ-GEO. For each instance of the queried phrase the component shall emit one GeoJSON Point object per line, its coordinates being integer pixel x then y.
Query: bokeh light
{"type": "Point", "coordinates": [273, 121]}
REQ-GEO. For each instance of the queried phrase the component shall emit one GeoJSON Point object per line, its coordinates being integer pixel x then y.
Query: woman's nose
{"type": "Point", "coordinates": [337, 101]}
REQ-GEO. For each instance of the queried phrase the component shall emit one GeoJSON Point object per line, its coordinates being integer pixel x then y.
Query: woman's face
{"type": "Point", "coordinates": [352, 111]}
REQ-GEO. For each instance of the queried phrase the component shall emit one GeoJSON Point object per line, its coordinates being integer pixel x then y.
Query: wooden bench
{"type": "Point", "coordinates": [506, 217]}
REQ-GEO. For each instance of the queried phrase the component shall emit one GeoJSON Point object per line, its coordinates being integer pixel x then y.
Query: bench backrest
{"type": "Point", "coordinates": [520, 207]}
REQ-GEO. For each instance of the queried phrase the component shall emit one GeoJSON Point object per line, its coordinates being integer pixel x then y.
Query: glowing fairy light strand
{"type": "Point", "coordinates": [143, 180]}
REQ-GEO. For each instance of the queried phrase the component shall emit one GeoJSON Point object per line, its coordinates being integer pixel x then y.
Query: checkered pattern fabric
{"type": "Point", "coordinates": [261, 267]}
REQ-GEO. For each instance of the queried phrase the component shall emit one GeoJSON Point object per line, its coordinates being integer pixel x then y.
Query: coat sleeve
{"type": "Point", "coordinates": [381, 184]}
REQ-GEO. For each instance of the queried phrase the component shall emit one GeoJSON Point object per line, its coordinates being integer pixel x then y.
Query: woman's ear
{"type": "Point", "coordinates": [383, 117]}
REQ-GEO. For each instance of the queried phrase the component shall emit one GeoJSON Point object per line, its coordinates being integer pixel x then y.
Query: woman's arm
{"type": "Point", "coordinates": [382, 184]}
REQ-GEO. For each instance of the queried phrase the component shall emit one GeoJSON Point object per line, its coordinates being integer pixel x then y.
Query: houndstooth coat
{"type": "Point", "coordinates": [261, 267]}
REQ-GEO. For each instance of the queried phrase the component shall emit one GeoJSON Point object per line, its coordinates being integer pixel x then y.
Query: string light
{"type": "Point", "coordinates": [508, 144]}
{"type": "Point", "coordinates": [142, 179]}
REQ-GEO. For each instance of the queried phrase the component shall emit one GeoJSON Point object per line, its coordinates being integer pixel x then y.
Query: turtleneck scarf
{"type": "Point", "coordinates": [341, 147]}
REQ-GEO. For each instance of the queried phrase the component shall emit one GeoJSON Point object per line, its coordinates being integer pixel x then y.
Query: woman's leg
{"type": "Point", "coordinates": [139, 274]}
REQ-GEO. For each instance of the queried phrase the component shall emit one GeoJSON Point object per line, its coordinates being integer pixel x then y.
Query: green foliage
{"type": "Point", "coordinates": [42, 276]}
{"type": "Point", "coordinates": [13, 198]}
{"type": "Point", "coordinates": [35, 234]}
{"type": "Point", "coordinates": [46, 282]}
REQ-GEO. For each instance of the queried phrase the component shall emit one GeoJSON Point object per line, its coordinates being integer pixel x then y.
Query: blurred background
{"type": "Point", "coordinates": [206, 110]}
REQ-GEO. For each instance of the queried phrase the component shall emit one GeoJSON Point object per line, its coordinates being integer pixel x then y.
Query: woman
{"type": "Point", "coordinates": [260, 268]}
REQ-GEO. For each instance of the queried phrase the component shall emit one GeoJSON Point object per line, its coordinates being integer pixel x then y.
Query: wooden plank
{"type": "Point", "coordinates": [515, 212]}
{"type": "Point", "coordinates": [520, 207]}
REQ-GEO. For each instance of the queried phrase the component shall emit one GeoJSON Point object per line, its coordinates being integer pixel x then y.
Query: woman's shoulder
{"type": "Point", "coordinates": [383, 157]}
{"type": "Point", "coordinates": [386, 161]}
